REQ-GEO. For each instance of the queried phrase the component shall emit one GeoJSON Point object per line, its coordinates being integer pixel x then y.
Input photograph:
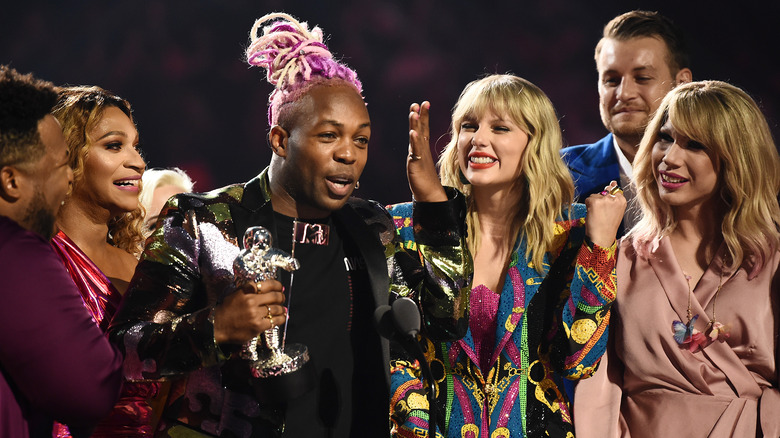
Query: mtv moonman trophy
{"type": "Point", "coordinates": [281, 373]}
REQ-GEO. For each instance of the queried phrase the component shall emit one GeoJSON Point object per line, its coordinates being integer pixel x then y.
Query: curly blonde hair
{"type": "Point", "coordinates": [728, 122]}
{"type": "Point", "coordinates": [547, 187]}
{"type": "Point", "coordinates": [78, 110]}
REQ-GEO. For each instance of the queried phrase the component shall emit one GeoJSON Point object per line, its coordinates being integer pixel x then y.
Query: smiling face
{"type": "Point", "coordinates": [634, 76]}
{"type": "Point", "coordinates": [684, 170]}
{"type": "Point", "coordinates": [113, 166]}
{"type": "Point", "coordinates": [490, 150]}
{"type": "Point", "coordinates": [320, 154]}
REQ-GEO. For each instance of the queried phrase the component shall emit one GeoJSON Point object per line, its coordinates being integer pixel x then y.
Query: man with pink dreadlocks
{"type": "Point", "coordinates": [183, 319]}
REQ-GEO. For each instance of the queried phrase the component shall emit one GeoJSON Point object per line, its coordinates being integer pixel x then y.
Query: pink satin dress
{"type": "Point", "coordinates": [132, 415]}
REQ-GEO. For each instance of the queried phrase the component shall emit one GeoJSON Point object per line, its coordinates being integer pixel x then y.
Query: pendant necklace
{"type": "Point", "coordinates": [292, 277]}
{"type": "Point", "coordinates": [687, 336]}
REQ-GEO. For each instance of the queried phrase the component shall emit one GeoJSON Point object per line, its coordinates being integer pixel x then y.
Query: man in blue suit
{"type": "Point", "coordinates": [640, 58]}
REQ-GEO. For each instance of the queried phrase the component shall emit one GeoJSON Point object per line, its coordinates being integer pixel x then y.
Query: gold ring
{"type": "Point", "coordinates": [259, 287]}
{"type": "Point", "coordinates": [615, 190]}
{"type": "Point", "coordinates": [415, 157]}
{"type": "Point", "coordinates": [268, 315]}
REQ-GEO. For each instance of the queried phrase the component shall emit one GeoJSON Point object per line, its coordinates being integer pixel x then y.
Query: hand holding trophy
{"type": "Point", "coordinates": [281, 372]}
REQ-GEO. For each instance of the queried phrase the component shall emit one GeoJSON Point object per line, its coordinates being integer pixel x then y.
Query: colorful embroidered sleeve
{"type": "Point", "coordinates": [164, 324]}
{"type": "Point", "coordinates": [409, 407]}
{"type": "Point", "coordinates": [432, 263]}
{"type": "Point", "coordinates": [583, 329]}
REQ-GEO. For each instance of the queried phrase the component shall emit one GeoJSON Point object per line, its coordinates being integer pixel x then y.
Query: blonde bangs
{"type": "Point", "coordinates": [727, 121]}
{"type": "Point", "coordinates": [546, 183]}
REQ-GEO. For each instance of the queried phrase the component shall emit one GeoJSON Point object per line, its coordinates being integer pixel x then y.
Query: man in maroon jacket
{"type": "Point", "coordinates": [55, 364]}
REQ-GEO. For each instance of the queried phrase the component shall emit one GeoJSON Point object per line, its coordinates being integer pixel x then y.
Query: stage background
{"type": "Point", "coordinates": [200, 107]}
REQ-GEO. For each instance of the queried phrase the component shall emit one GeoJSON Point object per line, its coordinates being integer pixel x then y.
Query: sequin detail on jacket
{"type": "Point", "coordinates": [549, 327]}
{"type": "Point", "coordinates": [165, 324]}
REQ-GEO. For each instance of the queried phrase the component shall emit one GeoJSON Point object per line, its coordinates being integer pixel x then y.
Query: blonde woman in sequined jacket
{"type": "Point", "coordinates": [544, 277]}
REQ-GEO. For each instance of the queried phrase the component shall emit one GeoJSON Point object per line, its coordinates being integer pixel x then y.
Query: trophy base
{"type": "Point", "coordinates": [278, 381]}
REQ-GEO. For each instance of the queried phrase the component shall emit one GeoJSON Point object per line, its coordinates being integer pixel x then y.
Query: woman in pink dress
{"type": "Point", "coordinates": [693, 344]}
{"type": "Point", "coordinates": [100, 226]}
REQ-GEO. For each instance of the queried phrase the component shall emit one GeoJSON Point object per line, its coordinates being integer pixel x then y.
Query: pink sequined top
{"type": "Point", "coordinates": [131, 416]}
{"type": "Point", "coordinates": [482, 322]}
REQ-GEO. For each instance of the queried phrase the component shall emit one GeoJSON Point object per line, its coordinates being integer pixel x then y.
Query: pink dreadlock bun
{"type": "Point", "coordinates": [295, 59]}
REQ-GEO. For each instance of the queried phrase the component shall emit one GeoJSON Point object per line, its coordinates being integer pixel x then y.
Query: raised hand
{"type": "Point", "coordinates": [250, 310]}
{"type": "Point", "coordinates": [420, 168]}
{"type": "Point", "coordinates": [605, 212]}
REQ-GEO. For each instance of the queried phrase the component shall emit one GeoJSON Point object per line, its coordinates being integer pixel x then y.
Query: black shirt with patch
{"type": "Point", "coordinates": [331, 312]}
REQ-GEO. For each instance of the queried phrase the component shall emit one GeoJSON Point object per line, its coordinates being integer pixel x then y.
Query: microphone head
{"type": "Point", "coordinates": [385, 324]}
{"type": "Point", "coordinates": [406, 316]}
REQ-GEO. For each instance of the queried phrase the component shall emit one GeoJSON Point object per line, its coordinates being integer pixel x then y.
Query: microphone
{"type": "Point", "coordinates": [383, 319]}
{"type": "Point", "coordinates": [401, 322]}
{"type": "Point", "coordinates": [398, 322]}
{"type": "Point", "coordinates": [407, 317]}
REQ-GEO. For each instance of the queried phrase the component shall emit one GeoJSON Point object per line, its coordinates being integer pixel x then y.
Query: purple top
{"type": "Point", "coordinates": [55, 364]}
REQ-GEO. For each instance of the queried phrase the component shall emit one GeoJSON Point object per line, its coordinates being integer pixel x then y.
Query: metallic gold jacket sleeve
{"type": "Point", "coordinates": [432, 263]}
{"type": "Point", "coordinates": [164, 324]}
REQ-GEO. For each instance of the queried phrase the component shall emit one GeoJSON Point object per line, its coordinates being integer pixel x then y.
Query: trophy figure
{"type": "Point", "coordinates": [281, 372]}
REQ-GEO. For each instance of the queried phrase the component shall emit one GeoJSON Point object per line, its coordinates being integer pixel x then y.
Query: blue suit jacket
{"type": "Point", "coordinates": [592, 166]}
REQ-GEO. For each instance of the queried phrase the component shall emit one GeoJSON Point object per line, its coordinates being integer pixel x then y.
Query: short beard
{"type": "Point", "coordinates": [38, 218]}
{"type": "Point", "coordinates": [633, 136]}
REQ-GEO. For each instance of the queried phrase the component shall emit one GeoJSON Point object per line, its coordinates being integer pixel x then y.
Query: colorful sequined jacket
{"type": "Point", "coordinates": [165, 322]}
{"type": "Point", "coordinates": [550, 326]}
